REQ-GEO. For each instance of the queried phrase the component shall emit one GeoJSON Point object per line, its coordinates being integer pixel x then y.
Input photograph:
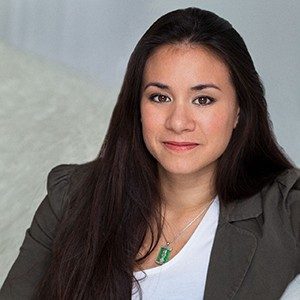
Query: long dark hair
{"type": "Point", "coordinates": [115, 201]}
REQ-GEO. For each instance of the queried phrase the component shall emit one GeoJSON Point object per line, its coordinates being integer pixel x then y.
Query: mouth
{"type": "Point", "coordinates": [180, 146]}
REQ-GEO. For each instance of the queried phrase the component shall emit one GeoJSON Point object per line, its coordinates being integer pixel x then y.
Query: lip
{"type": "Point", "coordinates": [180, 146]}
{"type": "Point", "coordinates": [180, 143]}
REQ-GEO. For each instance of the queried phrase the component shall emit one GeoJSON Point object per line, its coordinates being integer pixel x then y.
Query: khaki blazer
{"type": "Point", "coordinates": [255, 253]}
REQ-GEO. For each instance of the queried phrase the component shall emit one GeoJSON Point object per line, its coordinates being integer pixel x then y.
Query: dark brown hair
{"type": "Point", "coordinates": [117, 198]}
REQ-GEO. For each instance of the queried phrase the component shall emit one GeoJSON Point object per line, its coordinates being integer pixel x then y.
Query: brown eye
{"type": "Point", "coordinates": [159, 97]}
{"type": "Point", "coordinates": [205, 100]}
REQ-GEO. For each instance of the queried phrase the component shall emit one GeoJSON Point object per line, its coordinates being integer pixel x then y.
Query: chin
{"type": "Point", "coordinates": [181, 170]}
{"type": "Point", "coordinates": [186, 169]}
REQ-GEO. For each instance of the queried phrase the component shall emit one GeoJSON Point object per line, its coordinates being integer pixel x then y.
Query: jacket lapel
{"type": "Point", "coordinates": [232, 251]}
{"type": "Point", "coordinates": [234, 247]}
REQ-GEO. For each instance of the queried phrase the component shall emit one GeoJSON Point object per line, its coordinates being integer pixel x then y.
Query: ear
{"type": "Point", "coordinates": [237, 117]}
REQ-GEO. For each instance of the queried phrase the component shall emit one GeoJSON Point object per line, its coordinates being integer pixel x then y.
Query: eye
{"type": "Point", "coordinates": [161, 98]}
{"type": "Point", "coordinates": [203, 100]}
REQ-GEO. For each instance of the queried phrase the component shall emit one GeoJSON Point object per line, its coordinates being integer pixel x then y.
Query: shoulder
{"type": "Point", "coordinates": [288, 185]}
{"type": "Point", "coordinates": [289, 180]}
{"type": "Point", "coordinates": [61, 180]}
{"type": "Point", "coordinates": [59, 177]}
{"type": "Point", "coordinates": [281, 196]}
{"type": "Point", "coordinates": [283, 186]}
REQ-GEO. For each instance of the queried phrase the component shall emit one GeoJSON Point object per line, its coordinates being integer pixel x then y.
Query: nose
{"type": "Point", "coordinates": [180, 118]}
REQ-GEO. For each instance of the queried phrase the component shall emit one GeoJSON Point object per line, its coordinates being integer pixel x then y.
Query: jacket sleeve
{"type": "Point", "coordinates": [293, 200]}
{"type": "Point", "coordinates": [35, 251]}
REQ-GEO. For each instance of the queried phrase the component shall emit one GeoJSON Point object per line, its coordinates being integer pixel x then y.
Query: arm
{"type": "Point", "coordinates": [293, 200]}
{"type": "Point", "coordinates": [35, 251]}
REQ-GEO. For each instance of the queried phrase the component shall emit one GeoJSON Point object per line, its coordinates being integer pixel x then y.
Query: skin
{"type": "Point", "coordinates": [182, 114]}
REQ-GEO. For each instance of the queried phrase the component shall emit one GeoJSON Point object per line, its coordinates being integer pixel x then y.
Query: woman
{"type": "Point", "coordinates": [190, 195]}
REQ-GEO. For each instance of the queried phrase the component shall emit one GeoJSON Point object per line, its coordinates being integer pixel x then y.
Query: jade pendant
{"type": "Point", "coordinates": [163, 255]}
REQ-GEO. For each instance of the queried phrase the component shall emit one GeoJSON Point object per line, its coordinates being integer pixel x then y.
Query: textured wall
{"type": "Point", "coordinates": [48, 116]}
{"type": "Point", "coordinates": [96, 38]}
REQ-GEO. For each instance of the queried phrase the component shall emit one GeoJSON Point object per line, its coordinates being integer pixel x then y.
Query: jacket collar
{"type": "Point", "coordinates": [251, 207]}
{"type": "Point", "coordinates": [234, 247]}
{"type": "Point", "coordinates": [241, 210]}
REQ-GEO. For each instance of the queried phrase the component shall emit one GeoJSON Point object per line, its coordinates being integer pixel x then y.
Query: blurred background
{"type": "Point", "coordinates": [62, 64]}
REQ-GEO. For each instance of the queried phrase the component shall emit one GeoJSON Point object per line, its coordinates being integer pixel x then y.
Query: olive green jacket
{"type": "Point", "coordinates": [255, 253]}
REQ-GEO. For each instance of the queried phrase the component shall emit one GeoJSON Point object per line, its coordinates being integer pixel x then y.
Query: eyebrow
{"type": "Point", "coordinates": [197, 87]}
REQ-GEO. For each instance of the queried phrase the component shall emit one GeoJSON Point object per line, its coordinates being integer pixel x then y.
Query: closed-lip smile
{"type": "Point", "coordinates": [180, 146]}
{"type": "Point", "coordinates": [180, 143]}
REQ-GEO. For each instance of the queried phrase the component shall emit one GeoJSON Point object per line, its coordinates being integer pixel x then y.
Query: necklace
{"type": "Point", "coordinates": [165, 250]}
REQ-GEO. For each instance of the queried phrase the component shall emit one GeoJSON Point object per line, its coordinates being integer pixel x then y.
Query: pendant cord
{"type": "Point", "coordinates": [187, 226]}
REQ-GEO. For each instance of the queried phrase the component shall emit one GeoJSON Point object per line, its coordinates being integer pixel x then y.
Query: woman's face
{"type": "Point", "coordinates": [172, 110]}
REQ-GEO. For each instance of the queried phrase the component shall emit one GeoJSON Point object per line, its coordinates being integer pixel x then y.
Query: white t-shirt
{"type": "Point", "coordinates": [184, 276]}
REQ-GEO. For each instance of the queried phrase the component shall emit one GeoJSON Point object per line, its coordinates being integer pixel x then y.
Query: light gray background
{"type": "Point", "coordinates": [62, 64]}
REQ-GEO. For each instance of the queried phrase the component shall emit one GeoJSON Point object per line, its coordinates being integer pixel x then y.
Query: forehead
{"type": "Point", "coordinates": [185, 61]}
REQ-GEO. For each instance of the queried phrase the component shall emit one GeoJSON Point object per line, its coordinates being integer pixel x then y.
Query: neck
{"type": "Point", "coordinates": [184, 194]}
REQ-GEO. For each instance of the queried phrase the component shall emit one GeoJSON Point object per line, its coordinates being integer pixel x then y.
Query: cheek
{"type": "Point", "coordinates": [151, 119]}
{"type": "Point", "coordinates": [150, 132]}
{"type": "Point", "coordinates": [218, 128]}
{"type": "Point", "coordinates": [150, 124]}
{"type": "Point", "coordinates": [217, 133]}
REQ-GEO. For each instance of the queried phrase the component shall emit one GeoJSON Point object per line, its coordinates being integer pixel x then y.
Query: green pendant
{"type": "Point", "coordinates": [163, 255]}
